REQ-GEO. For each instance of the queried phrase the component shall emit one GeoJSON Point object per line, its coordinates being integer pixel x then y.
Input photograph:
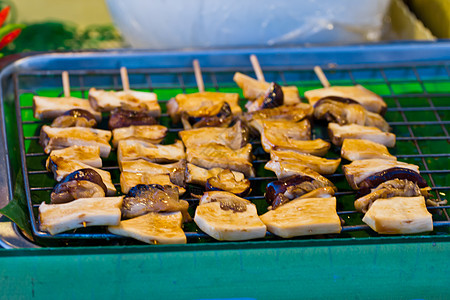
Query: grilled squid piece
{"type": "Point", "coordinates": [83, 183]}
{"type": "Point", "coordinates": [320, 165]}
{"type": "Point", "coordinates": [59, 138]}
{"type": "Point", "coordinates": [234, 137]}
{"type": "Point", "coordinates": [201, 101]}
{"type": "Point", "coordinates": [273, 97]}
{"type": "Point", "coordinates": [57, 218]}
{"type": "Point", "coordinates": [75, 118]}
{"type": "Point", "coordinates": [133, 149]}
{"type": "Point", "coordinates": [282, 191]}
{"type": "Point", "coordinates": [304, 216]}
{"type": "Point", "coordinates": [295, 113]}
{"type": "Point", "coordinates": [371, 101]}
{"type": "Point", "coordinates": [176, 171]}
{"type": "Point", "coordinates": [125, 117]}
{"type": "Point", "coordinates": [353, 149]}
{"type": "Point", "coordinates": [227, 217]}
{"type": "Point", "coordinates": [339, 133]}
{"type": "Point", "coordinates": [253, 89]}
{"type": "Point", "coordinates": [347, 111]}
{"type": "Point", "coordinates": [382, 169]}
{"type": "Point", "coordinates": [145, 198]}
{"type": "Point", "coordinates": [109, 100]}
{"type": "Point", "coordinates": [285, 169]}
{"type": "Point", "coordinates": [226, 181]}
{"type": "Point", "coordinates": [148, 133]}
{"type": "Point", "coordinates": [218, 156]}
{"type": "Point", "coordinates": [219, 115]}
{"type": "Point", "coordinates": [51, 108]}
{"type": "Point", "coordinates": [62, 167]}
{"type": "Point", "coordinates": [391, 188]}
{"type": "Point", "coordinates": [89, 155]}
{"type": "Point", "coordinates": [199, 176]}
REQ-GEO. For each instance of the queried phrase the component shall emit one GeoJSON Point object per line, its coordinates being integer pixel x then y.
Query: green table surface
{"type": "Point", "coordinates": [392, 271]}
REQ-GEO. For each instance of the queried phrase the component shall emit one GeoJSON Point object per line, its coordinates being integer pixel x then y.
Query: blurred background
{"type": "Point", "coordinates": [157, 24]}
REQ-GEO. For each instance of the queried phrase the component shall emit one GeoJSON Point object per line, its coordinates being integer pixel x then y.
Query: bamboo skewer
{"type": "Point", "coordinates": [257, 68]}
{"type": "Point", "coordinates": [125, 80]}
{"type": "Point", "coordinates": [321, 75]}
{"type": "Point", "coordinates": [66, 83]}
{"type": "Point", "coordinates": [198, 76]}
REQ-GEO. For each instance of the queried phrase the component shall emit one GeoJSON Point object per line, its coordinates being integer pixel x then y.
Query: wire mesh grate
{"type": "Point", "coordinates": [418, 97]}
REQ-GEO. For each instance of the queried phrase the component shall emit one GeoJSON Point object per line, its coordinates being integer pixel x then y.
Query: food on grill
{"type": "Point", "coordinates": [125, 117]}
{"type": "Point", "coordinates": [83, 183]}
{"type": "Point", "coordinates": [149, 133]}
{"type": "Point", "coordinates": [145, 198]}
{"type": "Point", "coordinates": [273, 97]}
{"type": "Point", "coordinates": [283, 190]}
{"type": "Point", "coordinates": [59, 138]}
{"type": "Point", "coordinates": [284, 128]}
{"type": "Point", "coordinates": [128, 180]}
{"type": "Point", "coordinates": [89, 155]}
{"type": "Point", "coordinates": [347, 111]}
{"type": "Point", "coordinates": [198, 175]}
{"type": "Point", "coordinates": [57, 218]}
{"type": "Point", "coordinates": [227, 217]}
{"type": "Point", "coordinates": [272, 141]}
{"type": "Point", "coordinates": [75, 118]}
{"type": "Point", "coordinates": [201, 102]}
{"type": "Point", "coordinates": [108, 100]}
{"type": "Point", "coordinates": [153, 228]}
{"type": "Point", "coordinates": [324, 192]}
{"type": "Point", "coordinates": [320, 165]}
{"type": "Point", "coordinates": [62, 167]}
{"type": "Point", "coordinates": [226, 181]}
{"type": "Point", "coordinates": [397, 172]}
{"type": "Point", "coordinates": [371, 101]}
{"type": "Point", "coordinates": [339, 133]}
{"type": "Point", "coordinates": [218, 156]}
{"type": "Point", "coordinates": [359, 170]}
{"type": "Point", "coordinates": [50, 108]}
{"type": "Point", "coordinates": [399, 215]}
{"type": "Point", "coordinates": [304, 216]}
{"type": "Point", "coordinates": [218, 115]}
{"type": "Point", "coordinates": [353, 149]}
{"type": "Point", "coordinates": [295, 113]}
{"type": "Point", "coordinates": [391, 188]}
{"type": "Point", "coordinates": [253, 88]}
{"type": "Point", "coordinates": [176, 171]}
{"type": "Point", "coordinates": [234, 137]}
{"type": "Point", "coordinates": [133, 149]}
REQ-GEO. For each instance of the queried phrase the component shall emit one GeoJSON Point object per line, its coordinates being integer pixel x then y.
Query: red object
{"type": "Point", "coordinates": [3, 15]}
{"type": "Point", "coordinates": [9, 37]}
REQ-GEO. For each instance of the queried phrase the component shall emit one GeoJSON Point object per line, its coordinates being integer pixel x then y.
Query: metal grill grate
{"type": "Point", "coordinates": [418, 97]}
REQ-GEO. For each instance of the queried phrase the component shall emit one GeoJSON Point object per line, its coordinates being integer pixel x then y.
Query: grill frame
{"type": "Point", "coordinates": [186, 86]}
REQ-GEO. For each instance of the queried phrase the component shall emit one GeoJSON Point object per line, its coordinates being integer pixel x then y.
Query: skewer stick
{"type": "Point", "coordinates": [66, 83]}
{"type": "Point", "coordinates": [257, 68]}
{"type": "Point", "coordinates": [124, 77]}
{"type": "Point", "coordinates": [198, 76]}
{"type": "Point", "coordinates": [323, 79]}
